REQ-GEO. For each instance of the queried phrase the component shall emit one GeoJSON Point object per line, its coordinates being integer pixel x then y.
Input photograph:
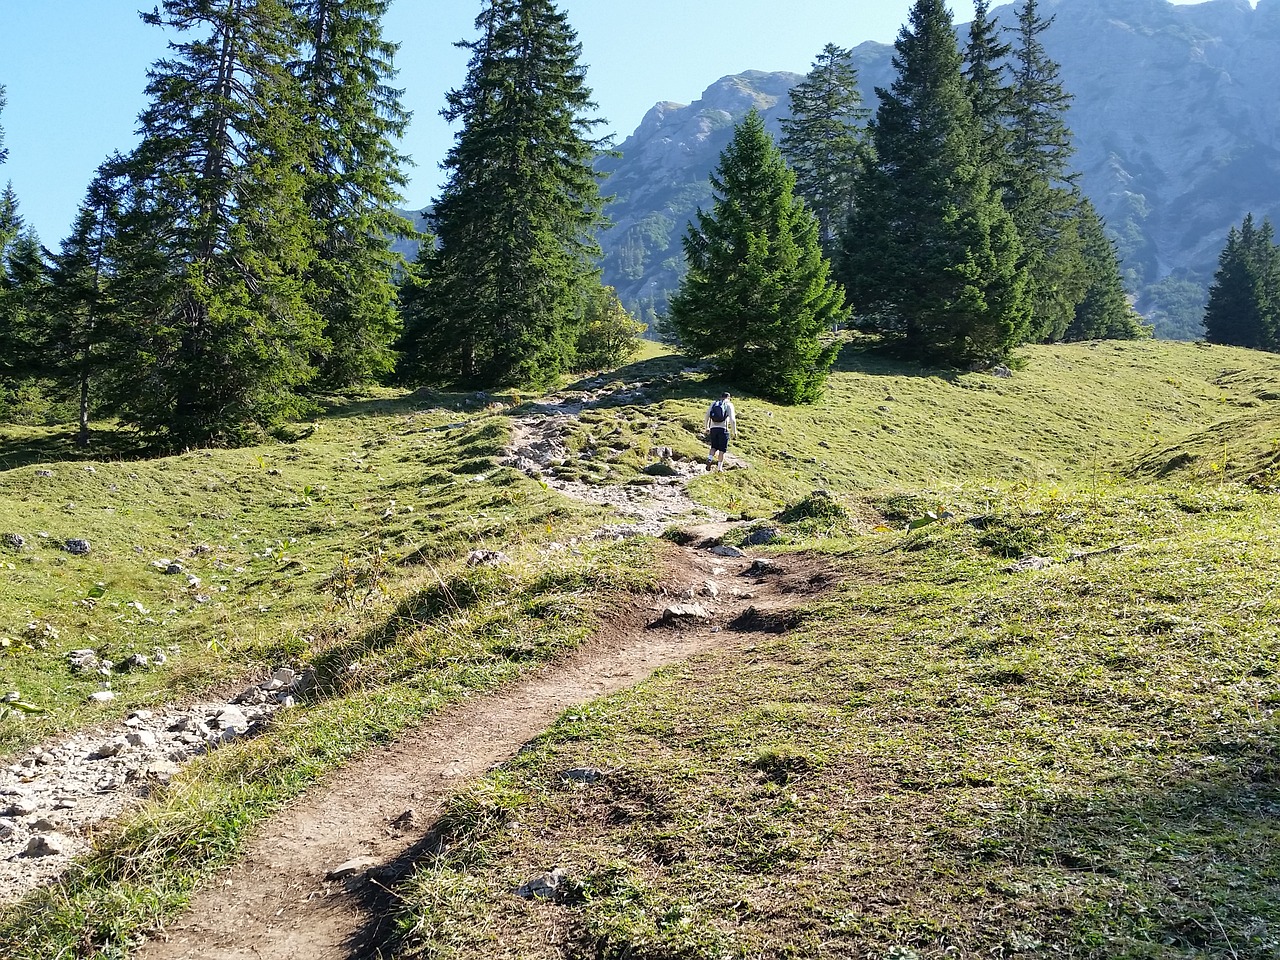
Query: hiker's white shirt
{"type": "Point", "coordinates": [729, 423]}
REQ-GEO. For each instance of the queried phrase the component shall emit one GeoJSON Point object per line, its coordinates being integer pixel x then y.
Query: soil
{"type": "Point", "coordinates": [280, 901]}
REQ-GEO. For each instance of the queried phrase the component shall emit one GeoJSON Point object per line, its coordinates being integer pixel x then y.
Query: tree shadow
{"type": "Point", "coordinates": [24, 447]}
{"type": "Point", "coordinates": [872, 358]}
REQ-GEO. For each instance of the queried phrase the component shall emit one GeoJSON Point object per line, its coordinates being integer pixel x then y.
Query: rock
{"type": "Point", "coordinates": [357, 865]}
{"type": "Point", "coordinates": [710, 589]}
{"type": "Point", "coordinates": [82, 660]}
{"type": "Point", "coordinates": [761, 536]}
{"type": "Point", "coordinates": [229, 718]}
{"type": "Point", "coordinates": [724, 550]}
{"type": "Point", "coordinates": [44, 473]}
{"type": "Point", "coordinates": [20, 807]}
{"type": "Point", "coordinates": [405, 821]}
{"type": "Point", "coordinates": [141, 738]}
{"type": "Point", "coordinates": [546, 886]}
{"type": "Point", "coordinates": [102, 696]}
{"type": "Point", "coordinates": [14, 541]}
{"type": "Point", "coordinates": [686, 612]}
{"type": "Point", "coordinates": [112, 748]}
{"type": "Point", "coordinates": [582, 775]}
{"type": "Point", "coordinates": [43, 825]}
{"type": "Point", "coordinates": [47, 845]}
{"type": "Point", "coordinates": [487, 558]}
{"type": "Point", "coordinates": [77, 546]}
{"type": "Point", "coordinates": [762, 566]}
{"type": "Point", "coordinates": [173, 569]}
{"type": "Point", "coordinates": [135, 661]}
{"type": "Point", "coordinates": [285, 677]}
{"type": "Point", "coordinates": [1001, 371]}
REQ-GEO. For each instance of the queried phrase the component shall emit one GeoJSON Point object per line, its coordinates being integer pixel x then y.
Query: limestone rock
{"type": "Point", "coordinates": [77, 546]}
{"type": "Point", "coordinates": [545, 886]}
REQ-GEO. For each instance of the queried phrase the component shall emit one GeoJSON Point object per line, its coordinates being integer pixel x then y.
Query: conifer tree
{"type": "Point", "coordinates": [824, 139]}
{"type": "Point", "coordinates": [931, 257]}
{"type": "Point", "coordinates": [23, 274]}
{"type": "Point", "coordinates": [1038, 184]}
{"type": "Point", "coordinates": [77, 305]}
{"type": "Point", "coordinates": [1104, 312]}
{"type": "Point", "coordinates": [758, 296]}
{"type": "Point", "coordinates": [225, 332]}
{"type": "Point", "coordinates": [517, 215]}
{"type": "Point", "coordinates": [985, 72]}
{"type": "Point", "coordinates": [1244, 301]}
{"type": "Point", "coordinates": [354, 182]}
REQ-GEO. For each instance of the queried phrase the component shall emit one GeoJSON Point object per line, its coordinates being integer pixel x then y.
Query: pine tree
{"type": "Point", "coordinates": [1038, 184]}
{"type": "Point", "coordinates": [1244, 301]}
{"type": "Point", "coordinates": [931, 256]}
{"type": "Point", "coordinates": [985, 72]}
{"type": "Point", "coordinates": [758, 297]}
{"type": "Point", "coordinates": [23, 274]}
{"type": "Point", "coordinates": [517, 214]}
{"type": "Point", "coordinates": [354, 182]}
{"type": "Point", "coordinates": [77, 304]}
{"type": "Point", "coordinates": [1104, 313]}
{"type": "Point", "coordinates": [824, 139]}
{"type": "Point", "coordinates": [217, 225]}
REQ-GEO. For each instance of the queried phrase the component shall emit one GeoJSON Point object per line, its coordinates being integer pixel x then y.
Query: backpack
{"type": "Point", "coordinates": [718, 413]}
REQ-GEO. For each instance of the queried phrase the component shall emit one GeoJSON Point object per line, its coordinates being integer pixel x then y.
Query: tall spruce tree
{"type": "Point", "coordinates": [986, 73]}
{"type": "Point", "coordinates": [1038, 184]}
{"type": "Point", "coordinates": [1104, 312]}
{"type": "Point", "coordinates": [931, 257]}
{"type": "Point", "coordinates": [517, 216]}
{"type": "Point", "coordinates": [758, 297]}
{"type": "Point", "coordinates": [824, 140]}
{"type": "Point", "coordinates": [225, 333]}
{"type": "Point", "coordinates": [1244, 301]}
{"type": "Point", "coordinates": [354, 182]}
{"type": "Point", "coordinates": [77, 304]}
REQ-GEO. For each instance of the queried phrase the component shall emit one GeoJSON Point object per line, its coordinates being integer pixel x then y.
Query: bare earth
{"type": "Point", "coordinates": [278, 901]}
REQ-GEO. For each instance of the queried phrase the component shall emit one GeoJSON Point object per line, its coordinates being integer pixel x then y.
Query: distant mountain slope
{"type": "Point", "coordinates": [1176, 124]}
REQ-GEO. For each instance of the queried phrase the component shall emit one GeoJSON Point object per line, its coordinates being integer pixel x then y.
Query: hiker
{"type": "Point", "coordinates": [720, 423]}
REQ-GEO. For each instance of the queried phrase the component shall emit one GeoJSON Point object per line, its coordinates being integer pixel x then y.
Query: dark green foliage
{"type": "Point", "coordinates": [1104, 313]}
{"type": "Point", "coordinates": [608, 336]}
{"type": "Point", "coordinates": [824, 139]}
{"type": "Point", "coordinates": [353, 183]}
{"type": "Point", "coordinates": [1037, 183]}
{"type": "Point", "coordinates": [217, 236]}
{"type": "Point", "coordinates": [1244, 301]}
{"type": "Point", "coordinates": [1175, 306]}
{"type": "Point", "coordinates": [516, 219]}
{"type": "Point", "coordinates": [931, 257]}
{"type": "Point", "coordinates": [78, 307]}
{"type": "Point", "coordinates": [985, 72]}
{"type": "Point", "coordinates": [758, 297]}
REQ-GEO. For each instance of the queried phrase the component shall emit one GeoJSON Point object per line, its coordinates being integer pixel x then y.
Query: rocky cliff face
{"type": "Point", "coordinates": [1176, 122]}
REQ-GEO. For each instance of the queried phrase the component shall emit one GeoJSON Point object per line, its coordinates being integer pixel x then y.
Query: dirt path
{"type": "Point", "coordinates": [279, 901]}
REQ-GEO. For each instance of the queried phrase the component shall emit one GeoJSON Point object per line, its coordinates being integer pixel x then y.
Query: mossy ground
{"type": "Point", "coordinates": [942, 759]}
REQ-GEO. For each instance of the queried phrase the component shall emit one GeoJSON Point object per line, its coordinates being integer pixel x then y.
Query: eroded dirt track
{"type": "Point", "coordinates": [278, 900]}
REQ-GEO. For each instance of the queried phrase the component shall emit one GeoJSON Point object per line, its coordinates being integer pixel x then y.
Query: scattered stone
{"type": "Point", "coordinates": [487, 558]}
{"type": "Point", "coordinates": [761, 536]}
{"type": "Point", "coordinates": [141, 738]}
{"type": "Point", "coordinates": [229, 718]}
{"type": "Point", "coordinates": [357, 865]}
{"type": "Point", "coordinates": [546, 886]}
{"type": "Point", "coordinates": [582, 775]}
{"type": "Point", "coordinates": [102, 696]}
{"type": "Point", "coordinates": [686, 612]}
{"type": "Point", "coordinates": [112, 748]}
{"type": "Point", "coordinates": [82, 661]}
{"type": "Point", "coordinates": [43, 825]}
{"type": "Point", "coordinates": [724, 550]}
{"type": "Point", "coordinates": [285, 677]}
{"type": "Point", "coordinates": [762, 566]}
{"type": "Point", "coordinates": [44, 473]}
{"type": "Point", "coordinates": [1001, 371]}
{"type": "Point", "coordinates": [135, 661]}
{"type": "Point", "coordinates": [711, 589]}
{"type": "Point", "coordinates": [46, 845]}
{"type": "Point", "coordinates": [77, 546]}
{"type": "Point", "coordinates": [173, 569]}
{"type": "Point", "coordinates": [14, 541]}
{"type": "Point", "coordinates": [20, 807]}
{"type": "Point", "coordinates": [405, 821]}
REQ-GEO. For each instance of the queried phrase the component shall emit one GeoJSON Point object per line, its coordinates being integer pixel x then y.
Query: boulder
{"type": "Point", "coordinates": [77, 546]}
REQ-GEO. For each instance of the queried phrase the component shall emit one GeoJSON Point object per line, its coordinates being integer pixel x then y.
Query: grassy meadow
{"type": "Point", "coordinates": [949, 756]}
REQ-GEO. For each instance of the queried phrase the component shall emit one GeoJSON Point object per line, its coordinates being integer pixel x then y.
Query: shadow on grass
{"type": "Point", "coordinates": [28, 446]}
{"type": "Point", "coordinates": [872, 358]}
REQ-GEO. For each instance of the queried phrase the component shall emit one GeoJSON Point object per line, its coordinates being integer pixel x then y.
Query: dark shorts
{"type": "Point", "coordinates": [720, 439]}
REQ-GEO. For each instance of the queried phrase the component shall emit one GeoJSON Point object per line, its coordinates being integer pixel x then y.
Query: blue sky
{"type": "Point", "coordinates": [75, 71]}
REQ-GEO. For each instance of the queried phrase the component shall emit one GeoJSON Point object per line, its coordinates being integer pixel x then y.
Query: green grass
{"type": "Point", "coordinates": [945, 759]}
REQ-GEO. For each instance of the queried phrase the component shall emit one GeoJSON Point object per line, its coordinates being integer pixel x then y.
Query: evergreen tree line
{"type": "Point", "coordinates": [1244, 300]}
{"type": "Point", "coordinates": [239, 257]}
{"type": "Point", "coordinates": [950, 218]}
